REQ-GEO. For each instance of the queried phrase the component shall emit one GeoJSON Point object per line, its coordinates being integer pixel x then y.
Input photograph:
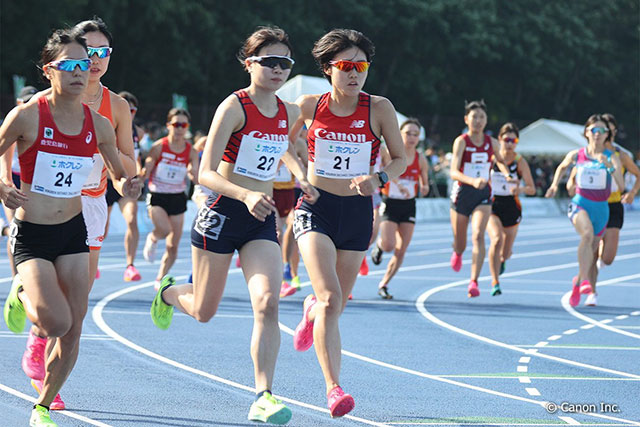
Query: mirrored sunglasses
{"type": "Point", "coordinates": [511, 140]}
{"type": "Point", "coordinates": [360, 66]}
{"type": "Point", "coordinates": [182, 125]}
{"type": "Point", "coordinates": [599, 129]}
{"type": "Point", "coordinates": [102, 52]}
{"type": "Point", "coordinates": [69, 64]}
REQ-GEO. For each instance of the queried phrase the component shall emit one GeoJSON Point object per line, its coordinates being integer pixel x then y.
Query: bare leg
{"type": "Point", "coordinates": [610, 245]}
{"type": "Point", "coordinates": [173, 241]}
{"type": "Point", "coordinates": [496, 233]}
{"type": "Point", "coordinates": [479, 220]}
{"type": "Point", "coordinates": [58, 308]}
{"type": "Point", "coordinates": [584, 228]}
{"type": "Point", "coordinates": [333, 274]}
{"type": "Point", "coordinates": [404, 233]}
{"type": "Point", "coordinates": [459, 224]}
{"type": "Point", "coordinates": [262, 270]}
{"type": "Point", "coordinates": [129, 208]}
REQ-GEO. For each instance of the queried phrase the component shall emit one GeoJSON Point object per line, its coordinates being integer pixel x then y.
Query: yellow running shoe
{"type": "Point", "coordinates": [14, 315]}
{"type": "Point", "coordinates": [268, 409]}
{"type": "Point", "coordinates": [161, 312]}
{"type": "Point", "coordinates": [40, 417]}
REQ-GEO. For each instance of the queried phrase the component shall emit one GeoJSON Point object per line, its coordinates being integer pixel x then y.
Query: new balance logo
{"type": "Point", "coordinates": [357, 124]}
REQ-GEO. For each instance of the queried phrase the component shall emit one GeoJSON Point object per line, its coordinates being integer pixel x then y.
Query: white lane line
{"type": "Point", "coordinates": [524, 359]}
{"type": "Point", "coordinates": [587, 326]}
{"type": "Point", "coordinates": [532, 391]}
{"type": "Point", "coordinates": [570, 331]}
{"type": "Point", "coordinates": [603, 324]}
{"type": "Point", "coordinates": [587, 347]}
{"type": "Point", "coordinates": [605, 321]}
{"type": "Point", "coordinates": [570, 421]}
{"type": "Point", "coordinates": [635, 313]}
{"type": "Point", "coordinates": [554, 337]}
{"type": "Point", "coordinates": [541, 344]}
{"type": "Point", "coordinates": [522, 368]}
{"type": "Point", "coordinates": [421, 307]}
{"type": "Point", "coordinates": [68, 413]}
{"type": "Point", "coordinates": [622, 316]}
{"type": "Point", "coordinates": [96, 314]}
{"type": "Point", "coordinates": [525, 380]}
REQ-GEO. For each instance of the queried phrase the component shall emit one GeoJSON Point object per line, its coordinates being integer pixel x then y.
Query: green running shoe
{"type": "Point", "coordinates": [14, 315]}
{"type": "Point", "coordinates": [495, 290]}
{"type": "Point", "coordinates": [268, 409]}
{"type": "Point", "coordinates": [161, 312]}
{"type": "Point", "coordinates": [295, 282]}
{"type": "Point", "coordinates": [40, 417]}
{"type": "Point", "coordinates": [502, 265]}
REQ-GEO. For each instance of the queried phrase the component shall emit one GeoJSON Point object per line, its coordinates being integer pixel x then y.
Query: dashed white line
{"type": "Point", "coordinates": [532, 391]}
{"type": "Point", "coordinates": [522, 368]}
{"type": "Point", "coordinates": [570, 331]}
{"type": "Point", "coordinates": [622, 316]}
{"type": "Point", "coordinates": [525, 380]}
{"type": "Point", "coordinates": [541, 344]}
{"type": "Point", "coordinates": [635, 313]}
{"type": "Point", "coordinates": [605, 321]}
{"type": "Point", "coordinates": [524, 359]}
{"type": "Point", "coordinates": [588, 326]}
{"type": "Point", "coordinates": [570, 421]}
{"type": "Point", "coordinates": [554, 337]}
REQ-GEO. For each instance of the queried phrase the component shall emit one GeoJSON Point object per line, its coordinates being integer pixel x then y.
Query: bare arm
{"type": "Point", "coordinates": [13, 129]}
{"type": "Point", "coordinates": [124, 134]}
{"type": "Point", "coordinates": [499, 160]}
{"type": "Point", "coordinates": [529, 187]}
{"type": "Point", "coordinates": [633, 169]}
{"type": "Point", "coordinates": [194, 165]}
{"type": "Point", "coordinates": [568, 160]}
{"type": "Point", "coordinates": [151, 160]}
{"type": "Point", "coordinates": [456, 161]}
{"type": "Point", "coordinates": [385, 115]}
{"type": "Point", "coordinates": [424, 175]}
{"type": "Point", "coordinates": [126, 186]}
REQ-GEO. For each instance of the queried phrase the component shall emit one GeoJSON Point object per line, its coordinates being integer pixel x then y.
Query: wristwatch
{"type": "Point", "coordinates": [383, 177]}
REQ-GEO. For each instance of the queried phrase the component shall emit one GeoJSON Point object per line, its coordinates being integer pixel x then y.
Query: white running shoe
{"type": "Point", "coordinates": [149, 250]}
{"type": "Point", "coordinates": [591, 300]}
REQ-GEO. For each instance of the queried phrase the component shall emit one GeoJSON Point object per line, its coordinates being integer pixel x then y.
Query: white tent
{"type": "Point", "coordinates": [551, 138]}
{"type": "Point", "coordinates": [307, 85]}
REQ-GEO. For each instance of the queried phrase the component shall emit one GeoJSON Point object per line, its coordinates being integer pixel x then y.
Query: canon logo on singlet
{"type": "Point", "coordinates": [340, 136]}
{"type": "Point", "coordinates": [268, 136]}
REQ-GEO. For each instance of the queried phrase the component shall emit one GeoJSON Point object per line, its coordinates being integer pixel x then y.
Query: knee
{"type": "Point", "coordinates": [386, 246]}
{"type": "Point", "coordinates": [266, 306]}
{"type": "Point", "coordinates": [55, 324]}
{"type": "Point", "coordinates": [478, 238]}
{"type": "Point", "coordinates": [331, 305]}
{"type": "Point", "coordinates": [587, 237]}
{"type": "Point", "coordinates": [172, 251]}
{"type": "Point", "coordinates": [204, 314]}
{"type": "Point", "coordinates": [496, 240]}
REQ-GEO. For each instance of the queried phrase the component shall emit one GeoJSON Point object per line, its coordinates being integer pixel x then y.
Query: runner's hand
{"type": "Point", "coordinates": [132, 187]}
{"type": "Point", "coordinates": [11, 197]}
{"type": "Point", "coordinates": [551, 192]}
{"type": "Point", "coordinates": [479, 183]}
{"type": "Point", "coordinates": [311, 195]}
{"type": "Point", "coordinates": [259, 205]}
{"type": "Point", "coordinates": [365, 185]}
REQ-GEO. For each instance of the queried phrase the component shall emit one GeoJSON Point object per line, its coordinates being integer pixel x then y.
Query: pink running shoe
{"type": "Point", "coordinates": [574, 299]}
{"type": "Point", "coordinates": [97, 273]}
{"type": "Point", "coordinates": [131, 274]}
{"type": "Point", "coordinates": [340, 403]}
{"type": "Point", "coordinates": [33, 357]}
{"type": "Point", "coordinates": [303, 337]}
{"type": "Point", "coordinates": [472, 290]}
{"type": "Point", "coordinates": [456, 261]}
{"type": "Point", "coordinates": [57, 404]}
{"type": "Point", "coordinates": [286, 289]}
{"type": "Point", "coordinates": [585, 287]}
{"type": "Point", "coordinates": [364, 267]}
